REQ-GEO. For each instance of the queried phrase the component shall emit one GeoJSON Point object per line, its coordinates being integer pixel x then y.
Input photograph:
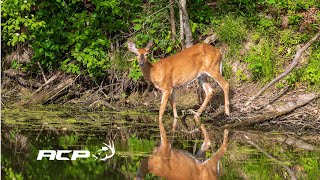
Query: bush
{"type": "Point", "coordinates": [311, 73]}
{"type": "Point", "coordinates": [232, 31]}
{"type": "Point", "coordinates": [261, 59]}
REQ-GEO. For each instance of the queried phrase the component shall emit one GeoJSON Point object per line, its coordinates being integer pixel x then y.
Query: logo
{"type": "Point", "coordinates": [104, 149]}
{"type": "Point", "coordinates": [60, 155]}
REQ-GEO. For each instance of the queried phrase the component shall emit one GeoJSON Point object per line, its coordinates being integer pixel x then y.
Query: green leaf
{"type": "Point", "coordinates": [169, 49]}
{"type": "Point", "coordinates": [137, 27]}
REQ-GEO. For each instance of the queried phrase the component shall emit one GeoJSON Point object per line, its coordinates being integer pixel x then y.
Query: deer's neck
{"type": "Point", "coordinates": [146, 69]}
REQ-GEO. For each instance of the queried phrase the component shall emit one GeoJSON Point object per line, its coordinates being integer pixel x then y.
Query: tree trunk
{"type": "Point", "coordinates": [172, 18]}
{"type": "Point", "coordinates": [186, 25]}
{"type": "Point", "coordinates": [181, 28]}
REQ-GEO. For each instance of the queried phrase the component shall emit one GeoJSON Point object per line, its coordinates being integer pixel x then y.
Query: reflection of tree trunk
{"type": "Point", "coordinates": [172, 18]}
{"type": "Point", "coordinates": [184, 24]}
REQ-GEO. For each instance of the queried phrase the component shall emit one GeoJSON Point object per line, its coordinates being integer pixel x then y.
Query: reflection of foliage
{"type": "Point", "coordinates": [10, 174]}
{"type": "Point", "coordinates": [141, 145]}
{"type": "Point", "coordinates": [115, 168]}
{"type": "Point", "coordinates": [252, 163]}
{"type": "Point", "coordinates": [255, 165]}
{"type": "Point", "coordinates": [311, 165]}
{"type": "Point", "coordinates": [66, 141]}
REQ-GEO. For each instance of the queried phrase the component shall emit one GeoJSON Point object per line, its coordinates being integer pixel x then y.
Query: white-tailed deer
{"type": "Point", "coordinates": [180, 69]}
{"type": "Point", "coordinates": [180, 165]}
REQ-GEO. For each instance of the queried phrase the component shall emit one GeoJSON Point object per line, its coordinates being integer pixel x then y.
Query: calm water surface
{"type": "Point", "coordinates": [134, 134]}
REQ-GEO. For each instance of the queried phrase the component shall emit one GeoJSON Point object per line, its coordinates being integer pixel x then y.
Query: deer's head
{"type": "Point", "coordinates": [140, 53]}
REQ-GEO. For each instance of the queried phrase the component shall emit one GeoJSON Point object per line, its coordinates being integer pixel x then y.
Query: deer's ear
{"type": "Point", "coordinates": [132, 47]}
{"type": "Point", "coordinates": [149, 45]}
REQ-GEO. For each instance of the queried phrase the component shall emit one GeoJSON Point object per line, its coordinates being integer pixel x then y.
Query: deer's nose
{"type": "Point", "coordinates": [141, 63]}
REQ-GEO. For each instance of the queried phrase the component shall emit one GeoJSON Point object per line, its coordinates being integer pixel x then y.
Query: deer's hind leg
{"type": "Point", "coordinates": [209, 93]}
{"type": "Point", "coordinates": [208, 90]}
{"type": "Point", "coordinates": [216, 75]}
{"type": "Point", "coordinates": [201, 153]}
{"type": "Point", "coordinates": [174, 108]}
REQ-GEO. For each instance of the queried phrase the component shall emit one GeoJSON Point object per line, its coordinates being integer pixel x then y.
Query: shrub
{"type": "Point", "coordinates": [261, 60]}
{"type": "Point", "coordinates": [232, 31]}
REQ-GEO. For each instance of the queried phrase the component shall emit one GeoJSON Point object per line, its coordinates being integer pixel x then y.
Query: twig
{"type": "Point", "coordinates": [290, 171]}
{"type": "Point", "coordinates": [42, 72]}
{"type": "Point", "coordinates": [289, 68]}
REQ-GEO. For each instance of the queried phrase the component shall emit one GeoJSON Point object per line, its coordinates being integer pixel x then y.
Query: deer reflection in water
{"type": "Point", "coordinates": [179, 164]}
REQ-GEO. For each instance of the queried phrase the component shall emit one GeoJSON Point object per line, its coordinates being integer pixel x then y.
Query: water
{"type": "Point", "coordinates": [25, 131]}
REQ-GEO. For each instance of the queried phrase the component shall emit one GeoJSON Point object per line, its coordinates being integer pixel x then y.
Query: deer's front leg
{"type": "Point", "coordinates": [174, 108]}
{"type": "Point", "coordinates": [164, 102]}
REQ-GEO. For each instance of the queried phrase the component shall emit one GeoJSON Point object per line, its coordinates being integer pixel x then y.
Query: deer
{"type": "Point", "coordinates": [180, 69]}
{"type": "Point", "coordinates": [178, 164]}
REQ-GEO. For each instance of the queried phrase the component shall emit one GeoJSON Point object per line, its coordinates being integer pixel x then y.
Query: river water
{"type": "Point", "coordinates": [134, 134]}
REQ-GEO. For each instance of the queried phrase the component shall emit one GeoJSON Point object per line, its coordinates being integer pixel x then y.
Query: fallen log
{"type": "Point", "coordinates": [48, 81]}
{"type": "Point", "coordinates": [271, 115]}
{"type": "Point", "coordinates": [45, 96]}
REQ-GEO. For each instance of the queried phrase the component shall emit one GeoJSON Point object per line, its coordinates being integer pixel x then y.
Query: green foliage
{"type": "Point", "coordinates": [259, 167]}
{"type": "Point", "coordinates": [266, 26]}
{"type": "Point", "coordinates": [241, 76]}
{"type": "Point", "coordinates": [280, 85]}
{"type": "Point", "coordinates": [291, 5]}
{"type": "Point", "coordinates": [135, 72]}
{"type": "Point", "coordinates": [10, 174]}
{"type": "Point", "coordinates": [293, 77]}
{"type": "Point", "coordinates": [232, 31]}
{"type": "Point", "coordinates": [227, 70]}
{"type": "Point", "coordinates": [18, 22]}
{"type": "Point", "coordinates": [311, 73]}
{"type": "Point", "coordinates": [261, 59]}
{"type": "Point", "coordinates": [75, 40]}
{"type": "Point", "coordinates": [70, 36]}
{"type": "Point", "coordinates": [15, 64]}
